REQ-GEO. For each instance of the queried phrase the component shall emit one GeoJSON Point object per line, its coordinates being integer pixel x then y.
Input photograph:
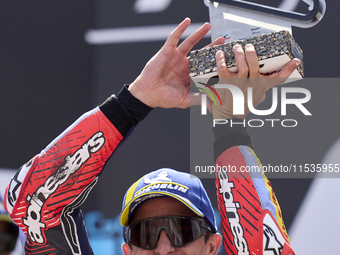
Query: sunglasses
{"type": "Point", "coordinates": [181, 231]}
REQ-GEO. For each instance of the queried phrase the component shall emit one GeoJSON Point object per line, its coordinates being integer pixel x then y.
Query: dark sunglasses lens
{"type": "Point", "coordinates": [180, 231]}
{"type": "Point", "coordinates": [183, 231]}
{"type": "Point", "coordinates": [143, 235]}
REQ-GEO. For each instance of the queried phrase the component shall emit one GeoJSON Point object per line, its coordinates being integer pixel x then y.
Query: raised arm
{"type": "Point", "coordinates": [250, 214]}
{"type": "Point", "coordinates": [44, 196]}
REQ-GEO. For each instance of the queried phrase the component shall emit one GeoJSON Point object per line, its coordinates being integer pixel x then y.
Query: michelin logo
{"type": "Point", "coordinates": [62, 174]}
{"type": "Point", "coordinates": [160, 182]}
{"type": "Point", "coordinates": [162, 186]}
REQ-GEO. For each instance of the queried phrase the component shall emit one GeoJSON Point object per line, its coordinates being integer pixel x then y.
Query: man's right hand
{"type": "Point", "coordinates": [164, 81]}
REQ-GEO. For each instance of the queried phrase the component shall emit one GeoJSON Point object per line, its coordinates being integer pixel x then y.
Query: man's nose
{"type": "Point", "coordinates": [164, 246]}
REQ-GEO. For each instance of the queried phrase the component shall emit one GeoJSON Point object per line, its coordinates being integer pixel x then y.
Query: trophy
{"type": "Point", "coordinates": [267, 28]}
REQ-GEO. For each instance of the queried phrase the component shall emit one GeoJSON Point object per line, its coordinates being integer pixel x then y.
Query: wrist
{"type": "Point", "coordinates": [136, 90]}
{"type": "Point", "coordinates": [230, 134]}
{"type": "Point", "coordinates": [133, 105]}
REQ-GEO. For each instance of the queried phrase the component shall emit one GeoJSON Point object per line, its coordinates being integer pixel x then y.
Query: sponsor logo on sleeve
{"type": "Point", "coordinates": [70, 166]}
{"type": "Point", "coordinates": [231, 208]}
{"type": "Point", "coordinates": [15, 186]}
{"type": "Point", "coordinates": [272, 244]}
{"type": "Point", "coordinates": [273, 240]}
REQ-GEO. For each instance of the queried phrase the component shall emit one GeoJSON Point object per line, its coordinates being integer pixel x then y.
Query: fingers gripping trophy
{"type": "Point", "coordinates": [268, 29]}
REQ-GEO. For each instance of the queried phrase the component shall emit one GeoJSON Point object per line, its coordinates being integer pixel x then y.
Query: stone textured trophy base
{"type": "Point", "coordinates": [274, 51]}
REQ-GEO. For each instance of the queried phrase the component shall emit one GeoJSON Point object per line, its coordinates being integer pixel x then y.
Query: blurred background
{"type": "Point", "coordinates": [59, 59]}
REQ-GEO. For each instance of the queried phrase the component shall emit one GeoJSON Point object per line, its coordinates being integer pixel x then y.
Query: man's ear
{"type": "Point", "coordinates": [214, 243]}
{"type": "Point", "coordinates": [126, 249]}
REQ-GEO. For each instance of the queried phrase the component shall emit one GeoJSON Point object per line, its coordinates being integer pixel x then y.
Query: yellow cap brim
{"type": "Point", "coordinates": [124, 216]}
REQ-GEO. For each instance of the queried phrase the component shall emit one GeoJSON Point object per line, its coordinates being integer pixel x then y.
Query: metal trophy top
{"type": "Point", "coordinates": [237, 19]}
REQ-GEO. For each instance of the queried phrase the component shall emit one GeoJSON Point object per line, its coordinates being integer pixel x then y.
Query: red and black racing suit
{"type": "Point", "coordinates": [45, 195]}
{"type": "Point", "coordinates": [250, 214]}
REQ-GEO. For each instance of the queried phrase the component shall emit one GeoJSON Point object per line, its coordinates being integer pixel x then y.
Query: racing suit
{"type": "Point", "coordinates": [45, 195]}
{"type": "Point", "coordinates": [250, 214]}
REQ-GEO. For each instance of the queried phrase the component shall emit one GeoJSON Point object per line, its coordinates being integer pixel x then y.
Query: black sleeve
{"type": "Point", "coordinates": [227, 136]}
{"type": "Point", "coordinates": [124, 110]}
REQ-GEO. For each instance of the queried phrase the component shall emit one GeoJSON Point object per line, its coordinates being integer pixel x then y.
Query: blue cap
{"type": "Point", "coordinates": [186, 188]}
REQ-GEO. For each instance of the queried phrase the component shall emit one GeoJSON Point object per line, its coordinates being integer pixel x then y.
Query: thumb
{"type": "Point", "coordinates": [282, 76]}
{"type": "Point", "coordinates": [288, 69]}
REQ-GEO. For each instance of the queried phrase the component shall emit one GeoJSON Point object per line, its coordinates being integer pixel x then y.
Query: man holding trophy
{"type": "Point", "coordinates": [44, 197]}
